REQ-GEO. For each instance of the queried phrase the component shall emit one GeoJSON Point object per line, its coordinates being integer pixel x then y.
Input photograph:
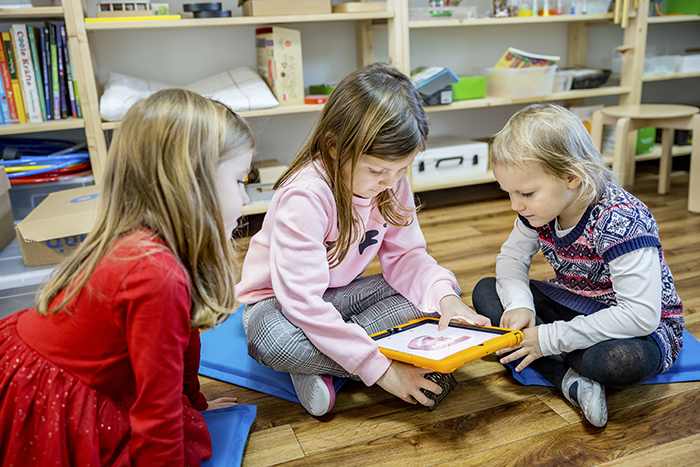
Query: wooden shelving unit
{"type": "Point", "coordinates": [52, 125]}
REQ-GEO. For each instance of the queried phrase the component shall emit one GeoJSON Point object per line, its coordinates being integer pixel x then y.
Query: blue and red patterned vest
{"type": "Point", "coordinates": [619, 223]}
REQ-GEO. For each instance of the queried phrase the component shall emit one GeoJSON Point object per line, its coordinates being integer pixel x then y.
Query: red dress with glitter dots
{"type": "Point", "coordinates": [113, 380]}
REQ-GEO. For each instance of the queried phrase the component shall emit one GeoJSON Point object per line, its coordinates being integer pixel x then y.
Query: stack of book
{"type": "Point", "coordinates": [38, 77]}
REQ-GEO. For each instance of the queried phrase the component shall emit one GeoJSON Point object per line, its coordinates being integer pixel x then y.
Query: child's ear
{"type": "Point", "coordinates": [573, 182]}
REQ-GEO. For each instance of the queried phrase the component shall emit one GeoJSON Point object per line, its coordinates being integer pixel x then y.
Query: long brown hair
{"type": "Point", "coordinates": [160, 175]}
{"type": "Point", "coordinates": [373, 111]}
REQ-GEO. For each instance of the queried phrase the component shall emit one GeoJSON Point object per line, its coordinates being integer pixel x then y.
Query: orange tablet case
{"type": "Point", "coordinates": [503, 338]}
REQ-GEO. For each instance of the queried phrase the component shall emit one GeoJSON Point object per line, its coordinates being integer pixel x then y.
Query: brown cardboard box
{"type": "Point", "coordinates": [279, 63]}
{"type": "Point", "coordinates": [285, 7]}
{"type": "Point", "coordinates": [57, 226]}
{"type": "Point", "coordinates": [7, 226]}
{"type": "Point", "coordinates": [269, 170]}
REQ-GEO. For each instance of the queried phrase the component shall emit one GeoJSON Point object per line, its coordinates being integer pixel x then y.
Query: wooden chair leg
{"type": "Point", "coordinates": [666, 161]}
{"type": "Point", "coordinates": [694, 183]}
{"type": "Point", "coordinates": [620, 155]}
{"type": "Point", "coordinates": [597, 129]}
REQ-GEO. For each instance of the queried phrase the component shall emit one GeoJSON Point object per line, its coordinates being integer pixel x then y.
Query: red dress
{"type": "Point", "coordinates": [113, 380]}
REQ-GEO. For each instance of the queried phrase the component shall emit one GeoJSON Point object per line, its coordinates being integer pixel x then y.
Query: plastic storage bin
{"type": "Point", "coordinates": [563, 81]}
{"type": "Point", "coordinates": [662, 64]}
{"type": "Point", "coordinates": [520, 83]}
{"type": "Point", "coordinates": [450, 157]}
{"type": "Point", "coordinates": [18, 283]}
{"type": "Point", "coordinates": [24, 198]}
{"type": "Point", "coordinates": [690, 63]}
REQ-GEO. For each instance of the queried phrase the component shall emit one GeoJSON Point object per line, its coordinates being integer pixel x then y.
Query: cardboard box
{"type": "Point", "coordinates": [269, 170]}
{"type": "Point", "coordinates": [285, 7]}
{"type": "Point", "coordinates": [7, 226]}
{"type": "Point", "coordinates": [279, 63]}
{"type": "Point", "coordinates": [57, 226]}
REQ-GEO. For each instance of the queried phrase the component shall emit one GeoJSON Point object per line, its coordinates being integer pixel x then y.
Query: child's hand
{"type": "Point", "coordinates": [452, 307]}
{"type": "Point", "coordinates": [520, 318]}
{"type": "Point", "coordinates": [528, 349]}
{"type": "Point", "coordinates": [221, 403]}
{"type": "Point", "coordinates": [405, 382]}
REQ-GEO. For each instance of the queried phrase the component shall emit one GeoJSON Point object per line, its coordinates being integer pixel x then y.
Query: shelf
{"type": "Point", "coordinates": [654, 154]}
{"type": "Point", "coordinates": [673, 19]}
{"type": "Point", "coordinates": [30, 13]}
{"type": "Point", "coordinates": [667, 76]}
{"type": "Point", "coordinates": [451, 182]}
{"type": "Point", "coordinates": [53, 125]}
{"type": "Point", "coordinates": [442, 22]}
{"type": "Point", "coordinates": [281, 110]}
{"type": "Point", "coordinates": [236, 21]}
{"type": "Point", "coordinates": [558, 96]}
{"type": "Point", "coordinates": [256, 208]}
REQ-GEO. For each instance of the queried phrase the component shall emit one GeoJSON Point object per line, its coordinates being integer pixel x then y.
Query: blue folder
{"type": "Point", "coordinates": [225, 357]}
{"type": "Point", "coordinates": [686, 367]}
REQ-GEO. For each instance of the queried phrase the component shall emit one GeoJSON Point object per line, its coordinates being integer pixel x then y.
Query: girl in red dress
{"type": "Point", "coordinates": [103, 371]}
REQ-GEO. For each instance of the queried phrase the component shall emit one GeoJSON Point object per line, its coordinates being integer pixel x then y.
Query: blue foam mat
{"type": "Point", "coordinates": [685, 368]}
{"type": "Point", "coordinates": [225, 357]}
{"type": "Point", "coordinates": [228, 428]}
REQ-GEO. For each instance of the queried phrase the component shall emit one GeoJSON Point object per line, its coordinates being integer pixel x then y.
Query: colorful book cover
{"type": "Point", "coordinates": [16, 87]}
{"type": "Point", "coordinates": [25, 70]}
{"type": "Point", "coordinates": [61, 73]}
{"type": "Point", "coordinates": [56, 89]}
{"type": "Point", "coordinates": [78, 108]}
{"type": "Point", "coordinates": [45, 49]}
{"type": "Point", "coordinates": [36, 60]}
{"type": "Point", "coordinates": [7, 84]}
{"type": "Point", "coordinates": [515, 58]}
{"type": "Point", "coordinates": [67, 71]}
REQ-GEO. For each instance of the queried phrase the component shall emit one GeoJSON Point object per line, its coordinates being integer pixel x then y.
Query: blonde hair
{"type": "Point", "coordinates": [160, 175]}
{"type": "Point", "coordinates": [373, 111]}
{"type": "Point", "coordinates": [557, 140]}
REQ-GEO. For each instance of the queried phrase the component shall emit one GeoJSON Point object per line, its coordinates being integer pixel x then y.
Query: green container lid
{"type": "Point", "coordinates": [469, 87]}
{"type": "Point", "coordinates": [324, 89]}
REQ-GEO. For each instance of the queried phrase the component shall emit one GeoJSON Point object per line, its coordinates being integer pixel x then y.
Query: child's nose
{"type": "Point", "coordinates": [515, 204]}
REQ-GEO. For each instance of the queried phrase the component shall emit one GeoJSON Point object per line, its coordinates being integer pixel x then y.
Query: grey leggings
{"type": "Point", "coordinates": [367, 301]}
{"type": "Point", "coordinates": [616, 363]}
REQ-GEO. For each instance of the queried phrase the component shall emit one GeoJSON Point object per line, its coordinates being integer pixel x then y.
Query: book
{"type": "Point", "coordinates": [46, 70]}
{"type": "Point", "coordinates": [78, 107]}
{"type": "Point", "coordinates": [7, 85]}
{"type": "Point", "coordinates": [67, 72]}
{"type": "Point", "coordinates": [36, 61]}
{"type": "Point", "coordinates": [516, 58]}
{"type": "Point", "coordinates": [16, 87]}
{"type": "Point", "coordinates": [25, 70]}
{"type": "Point", "coordinates": [61, 72]}
{"type": "Point", "coordinates": [4, 109]}
{"type": "Point", "coordinates": [54, 73]}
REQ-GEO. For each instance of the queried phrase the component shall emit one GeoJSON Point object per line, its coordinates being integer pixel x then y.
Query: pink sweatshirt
{"type": "Point", "coordinates": [287, 259]}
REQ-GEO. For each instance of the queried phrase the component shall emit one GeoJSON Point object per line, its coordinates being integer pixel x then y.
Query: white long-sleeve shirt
{"type": "Point", "coordinates": [636, 279]}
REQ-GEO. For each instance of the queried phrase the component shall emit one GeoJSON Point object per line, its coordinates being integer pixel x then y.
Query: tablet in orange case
{"type": "Point", "coordinates": [419, 343]}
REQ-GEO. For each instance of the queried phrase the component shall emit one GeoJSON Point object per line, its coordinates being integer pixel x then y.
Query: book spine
{"type": "Point", "coordinates": [4, 109]}
{"type": "Point", "coordinates": [16, 87]}
{"type": "Point", "coordinates": [67, 69]}
{"type": "Point", "coordinates": [7, 84]}
{"type": "Point", "coordinates": [25, 67]}
{"type": "Point", "coordinates": [36, 60]}
{"type": "Point", "coordinates": [54, 74]}
{"type": "Point", "coordinates": [46, 71]}
{"type": "Point", "coordinates": [61, 73]}
{"type": "Point", "coordinates": [78, 107]}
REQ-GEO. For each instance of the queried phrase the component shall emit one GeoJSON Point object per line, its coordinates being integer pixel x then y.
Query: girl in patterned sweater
{"type": "Point", "coordinates": [611, 315]}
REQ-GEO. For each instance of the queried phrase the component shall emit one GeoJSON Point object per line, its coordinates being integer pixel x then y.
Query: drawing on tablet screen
{"type": "Point", "coordinates": [435, 343]}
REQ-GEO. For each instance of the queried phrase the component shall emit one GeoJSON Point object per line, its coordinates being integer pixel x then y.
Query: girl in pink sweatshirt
{"type": "Point", "coordinates": [344, 200]}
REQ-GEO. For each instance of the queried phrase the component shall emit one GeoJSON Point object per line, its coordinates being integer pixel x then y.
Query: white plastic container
{"type": "Point", "coordinates": [662, 64]}
{"type": "Point", "coordinates": [520, 83]}
{"type": "Point", "coordinates": [690, 63]}
{"type": "Point", "coordinates": [563, 81]}
{"type": "Point", "coordinates": [450, 157]}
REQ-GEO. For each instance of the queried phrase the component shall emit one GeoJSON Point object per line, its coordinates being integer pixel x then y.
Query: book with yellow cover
{"type": "Point", "coordinates": [515, 58]}
{"type": "Point", "coordinates": [16, 87]}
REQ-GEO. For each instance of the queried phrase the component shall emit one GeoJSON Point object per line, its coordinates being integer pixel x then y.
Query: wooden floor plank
{"type": "Point", "coordinates": [628, 432]}
{"type": "Point", "coordinates": [271, 447]}
{"type": "Point", "coordinates": [683, 452]}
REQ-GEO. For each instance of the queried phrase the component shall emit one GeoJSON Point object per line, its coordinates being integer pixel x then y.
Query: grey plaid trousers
{"type": "Point", "coordinates": [367, 301]}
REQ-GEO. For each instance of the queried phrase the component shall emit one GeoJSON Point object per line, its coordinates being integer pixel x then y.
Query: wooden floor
{"type": "Point", "coordinates": [489, 419]}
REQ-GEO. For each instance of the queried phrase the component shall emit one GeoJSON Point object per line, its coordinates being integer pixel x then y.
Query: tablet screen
{"type": "Point", "coordinates": [423, 339]}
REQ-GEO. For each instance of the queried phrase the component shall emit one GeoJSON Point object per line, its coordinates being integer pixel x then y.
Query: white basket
{"type": "Point", "coordinates": [519, 83]}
